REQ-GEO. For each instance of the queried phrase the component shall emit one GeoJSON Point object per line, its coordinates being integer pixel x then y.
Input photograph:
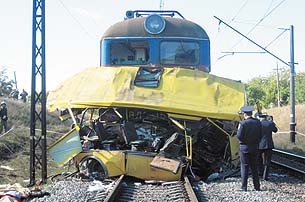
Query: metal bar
{"type": "Point", "coordinates": [189, 190]}
{"type": "Point", "coordinates": [33, 92]}
{"type": "Point", "coordinates": [217, 126]}
{"type": "Point", "coordinates": [38, 159]}
{"type": "Point", "coordinates": [221, 21]}
{"type": "Point", "coordinates": [292, 89]}
{"type": "Point", "coordinates": [112, 195]}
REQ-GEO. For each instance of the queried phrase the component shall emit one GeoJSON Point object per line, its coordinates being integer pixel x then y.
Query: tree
{"type": "Point", "coordinates": [6, 85]}
{"type": "Point", "coordinates": [264, 89]}
{"type": "Point", "coordinates": [254, 90]}
{"type": "Point", "coordinates": [300, 88]}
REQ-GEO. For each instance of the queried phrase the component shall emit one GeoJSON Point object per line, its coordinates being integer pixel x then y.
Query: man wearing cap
{"type": "Point", "coordinates": [249, 134]}
{"type": "Point", "coordinates": [266, 145]}
{"type": "Point", "coordinates": [3, 117]}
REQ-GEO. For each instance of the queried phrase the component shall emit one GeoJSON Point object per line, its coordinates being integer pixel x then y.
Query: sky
{"type": "Point", "coordinates": [74, 29]}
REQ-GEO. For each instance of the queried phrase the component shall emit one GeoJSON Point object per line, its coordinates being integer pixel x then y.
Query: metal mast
{"type": "Point", "coordinates": [161, 5]}
{"type": "Point", "coordinates": [292, 87]}
{"type": "Point", "coordinates": [292, 74]}
{"type": "Point", "coordinates": [38, 154]}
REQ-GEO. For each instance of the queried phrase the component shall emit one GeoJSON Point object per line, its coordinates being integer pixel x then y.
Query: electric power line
{"type": "Point", "coordinates": [261, 20]}
{"type": "Point", "coordinates": [236, 14]}
{"type": "Point", "coordinates": [239, 10]}
{"type": "Point", "coordinates": [74, 18]}
{"type": "Point", "coordinates": [276, 38]}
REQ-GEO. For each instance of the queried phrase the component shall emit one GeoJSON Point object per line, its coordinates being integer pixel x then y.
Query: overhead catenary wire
{"type": "Point", "coordinates": [76, 20]}
{"type": "Point", "coordinates": [255, 25]}
{"type": "Point", "coordinates": [232, 19]}
{"type": "Point", "coordinates": [239, 10]}
{"type": "Point", "coordinates": [276, 38]}
{"type": "Point", "coordinates": [259, 21]}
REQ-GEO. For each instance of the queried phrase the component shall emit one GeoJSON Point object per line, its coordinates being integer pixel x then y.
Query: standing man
{"type": "Point", "coordinates": [266, 144]}
{"type": "Point", "coordinates": [23, 95]}
{"type": "Point", "coordinates": [249, 134]}
{"type": "Point", "coordinates": [3, 117]}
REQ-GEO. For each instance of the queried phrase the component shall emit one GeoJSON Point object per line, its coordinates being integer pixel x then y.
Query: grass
{"type": "Point", "coordinates": [15, 146]}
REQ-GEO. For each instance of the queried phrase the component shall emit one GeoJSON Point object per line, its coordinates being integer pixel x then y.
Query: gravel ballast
{"type": "Point", "coordinates": [280, 187]}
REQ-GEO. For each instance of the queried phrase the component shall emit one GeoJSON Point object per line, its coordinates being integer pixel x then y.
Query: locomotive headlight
{"type": "Point", "coordinates": [154, 24]}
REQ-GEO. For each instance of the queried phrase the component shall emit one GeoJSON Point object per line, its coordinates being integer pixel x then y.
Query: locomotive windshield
{"type": "Point", "coordinates": [129, 52]}
{"type": "Point", "coordinates": [179, 53]}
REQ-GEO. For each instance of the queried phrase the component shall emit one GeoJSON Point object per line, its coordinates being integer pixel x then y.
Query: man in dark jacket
{"type": "Point", "coordinates": [3, 117]}
{"type": "Point", "coordinates": [266, 145]}
{"type": "Point", "coordinates": [23, 95]}
{"type": "Point", "coordinates": [249, 134]}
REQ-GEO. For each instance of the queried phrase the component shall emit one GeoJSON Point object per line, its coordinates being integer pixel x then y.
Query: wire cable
{"type": "Point", "coordinates": [75, 19]}
{"type": "Point", "coordinates": [261, 20]}
{"type": "Point", "coordinates": [276, 38]}
{"type": "Point", "coordinates": [239, 10]}
{"type": "Point", "coordinates": [237, 13]}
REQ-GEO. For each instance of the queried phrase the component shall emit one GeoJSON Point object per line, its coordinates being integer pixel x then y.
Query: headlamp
{"type": "Point", "coordinates": [154, 24]}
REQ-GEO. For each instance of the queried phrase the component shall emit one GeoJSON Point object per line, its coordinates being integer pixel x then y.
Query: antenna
{"type": "Point", "coordinates": [161, 6]}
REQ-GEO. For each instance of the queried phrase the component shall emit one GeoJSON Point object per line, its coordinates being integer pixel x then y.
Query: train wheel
{"type": "Point", "coordinates": [92, 168]}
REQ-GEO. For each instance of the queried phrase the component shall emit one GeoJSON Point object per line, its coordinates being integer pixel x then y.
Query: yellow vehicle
{"type": "Point", "coordinates": [151, 110]}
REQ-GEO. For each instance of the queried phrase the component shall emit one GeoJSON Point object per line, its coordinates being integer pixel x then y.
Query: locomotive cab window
{"type": "Point", "coordinates": [129, 53]}
{"type": "Point", "coordinates": [179, 53]}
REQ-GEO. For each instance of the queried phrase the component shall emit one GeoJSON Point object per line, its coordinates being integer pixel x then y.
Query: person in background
{"type": "Point", "coordinates": [249, 134]}
{"type": "Point", "coordinates": [23, 95]}
{"type": "Point", "coordinates": [3, 117]}
{"type": "Point", "coordinates": [266, 145]}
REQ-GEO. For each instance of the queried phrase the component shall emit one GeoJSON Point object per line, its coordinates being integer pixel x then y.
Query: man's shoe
{"type": "Point", "coordinates": [242, 189]}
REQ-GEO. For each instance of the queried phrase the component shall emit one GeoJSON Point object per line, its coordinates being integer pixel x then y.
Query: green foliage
{"type": "Point", "coordinates": [15, 146]}
{"type": "Point", "coordinates": [254, 91]}
{"type": "Point", "coordinates": [264, 89]}
{"type": "Point", "coordinates": [300, 88]}
{"type": "Point", "coordinates": [6, 85]}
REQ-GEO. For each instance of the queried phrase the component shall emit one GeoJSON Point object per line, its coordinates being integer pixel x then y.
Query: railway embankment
{"type": "Point", "coordinates": [282, 137]}
{"type": "Point", "coordinates": [14, 161]}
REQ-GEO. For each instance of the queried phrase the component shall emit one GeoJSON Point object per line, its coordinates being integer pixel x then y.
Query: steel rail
{"type": "Point", "coordinates": [298, 157]}
{"type": "Point", "coordinates": [291, 162]}
{"type": "Point", "coordinates": [120, 192]}
{"type": "Point", "coordinates": [189, 190]}
{"type": "Point", "coordinates": [114, 192]}
{"type": "Point", "coordinates": [288, 167]}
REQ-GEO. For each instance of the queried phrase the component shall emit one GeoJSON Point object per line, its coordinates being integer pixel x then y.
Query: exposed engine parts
{"type": "Point", "coordinates": [155, 131]}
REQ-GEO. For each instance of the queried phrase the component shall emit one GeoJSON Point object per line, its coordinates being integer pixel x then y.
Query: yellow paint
{"type": "Point", "coordinates": [181, 91]}
{"type": "Point", "coordinates": [114, 161]}
{"type": "Point", "coordinates": [139, 166]}
{"type": "Point", "coordinates": [185, 117]}
{"type": "Point", "coordinates": [234, 146]}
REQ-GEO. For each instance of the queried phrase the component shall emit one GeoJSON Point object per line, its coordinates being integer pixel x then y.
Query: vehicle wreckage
{"type": "Point", "coordinates": [146, 117]}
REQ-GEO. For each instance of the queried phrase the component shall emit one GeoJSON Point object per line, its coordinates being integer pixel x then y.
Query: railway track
{"type": "Point", "coordinates": [295, 164]}
{"type": "Point", "coordinates": [127, 189]}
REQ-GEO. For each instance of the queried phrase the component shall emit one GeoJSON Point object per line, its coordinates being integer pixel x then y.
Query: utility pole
{"type": "Point", "coordinates": [15, 80]}
{"type": "Point", "coordinates": [292, 90]}
{"type": "Point", "coordinates": [38, 143]}
{"type": "Point", "coordinates": [278, 85]}
{"type": "Point", "coordinates": [292, 73]}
